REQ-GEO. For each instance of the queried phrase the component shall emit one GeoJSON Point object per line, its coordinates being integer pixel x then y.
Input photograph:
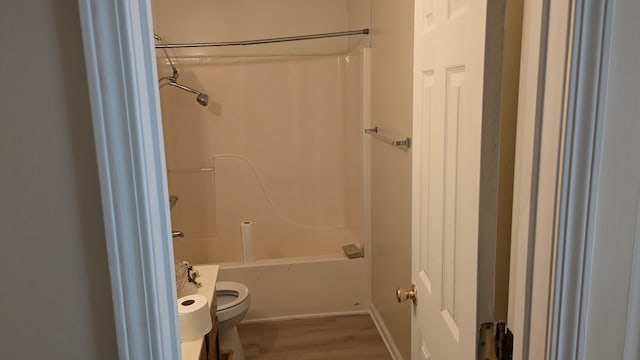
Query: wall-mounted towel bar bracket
{"type": "Point", "coordinates": [403, 144]}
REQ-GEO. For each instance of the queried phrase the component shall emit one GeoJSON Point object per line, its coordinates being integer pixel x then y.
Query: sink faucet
{"type": "Point", "coordinates": [192, 274]}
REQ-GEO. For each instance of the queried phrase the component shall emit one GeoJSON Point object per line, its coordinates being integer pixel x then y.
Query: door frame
{"type": "Point", "coordinates": [560, 115]}
{"type": "Point", "coordinates": [125, 107]}
{"type": "Point", "coordinates": [587, 81]}
{"type": "Point", "coordinates": [554, 151]}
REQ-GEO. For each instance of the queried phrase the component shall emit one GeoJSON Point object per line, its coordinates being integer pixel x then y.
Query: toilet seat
{"type": "Point", "coordinates": [239, 292]}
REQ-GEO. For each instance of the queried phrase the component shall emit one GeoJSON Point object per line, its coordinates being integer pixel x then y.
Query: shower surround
{"type": "Point", "coordinates": [280, 144]}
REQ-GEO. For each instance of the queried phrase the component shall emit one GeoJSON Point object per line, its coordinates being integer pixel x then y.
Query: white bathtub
{"type": "Point", "coordinates": [302, 287]}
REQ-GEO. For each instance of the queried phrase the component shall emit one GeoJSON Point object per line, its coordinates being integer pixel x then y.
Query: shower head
{"type": "Point", "coordinates": [201, 98]}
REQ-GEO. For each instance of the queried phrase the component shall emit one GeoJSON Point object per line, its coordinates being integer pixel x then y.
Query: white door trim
{"type": "Point", "coordinates": [539, 156]}
{"type": "Point", "coordinates": [560, 113]}
{"type": "Point", "coordinates": [527, 158]}
{"type": "Point", "coordinates": [119, 56]}
{"type": "Point", "coordinates": [585, 102]}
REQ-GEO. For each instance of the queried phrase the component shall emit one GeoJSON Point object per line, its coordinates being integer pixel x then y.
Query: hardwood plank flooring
{"type": "Point", "coordinates": [334, 338]}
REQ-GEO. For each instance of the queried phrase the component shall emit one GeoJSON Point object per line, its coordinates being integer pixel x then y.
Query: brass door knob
{"type": "Point", "coordinates": [403, 295]}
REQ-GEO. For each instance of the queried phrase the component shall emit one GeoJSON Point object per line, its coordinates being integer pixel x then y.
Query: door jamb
{"type": "Point", "coordinates": [559, 128]}
{"type": "Point", "coordinates": [587, 88]}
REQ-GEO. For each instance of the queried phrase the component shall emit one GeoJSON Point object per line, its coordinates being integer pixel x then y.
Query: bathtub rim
{"type": "Point", "coordinates": [283, 261]}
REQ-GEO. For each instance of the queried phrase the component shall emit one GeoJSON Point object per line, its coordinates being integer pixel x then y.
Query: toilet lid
{"type": "Point", "coordinates": [230, 294]}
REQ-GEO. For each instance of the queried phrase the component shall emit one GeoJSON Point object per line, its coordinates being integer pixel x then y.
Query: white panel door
{"type": "Point", "coordinates": [447, 132]}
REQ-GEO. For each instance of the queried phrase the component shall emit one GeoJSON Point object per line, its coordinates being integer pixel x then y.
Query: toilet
{"type": "Point", "coordinates": [233, 303]}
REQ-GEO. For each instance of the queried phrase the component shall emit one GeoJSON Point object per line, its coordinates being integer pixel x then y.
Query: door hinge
{"type": "Point", "coordinates": [495, 341]}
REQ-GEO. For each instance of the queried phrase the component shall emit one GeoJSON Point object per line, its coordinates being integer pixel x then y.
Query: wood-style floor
{"type": "Point", "coordinates": [335, 338]}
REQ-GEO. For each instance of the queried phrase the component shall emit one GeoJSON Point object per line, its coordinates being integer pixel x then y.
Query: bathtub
{"type": "Point", "coordinates": [302, 287]}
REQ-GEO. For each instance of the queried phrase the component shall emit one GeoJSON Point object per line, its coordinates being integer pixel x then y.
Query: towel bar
{"type": "Point", "coordinates": [403, 144]}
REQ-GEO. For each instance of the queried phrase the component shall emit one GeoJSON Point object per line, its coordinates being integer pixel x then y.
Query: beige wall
{"type": "Point", "coordinates": [359, 18]}
{"type": "Point", "coordinates": [391, 110]}
{"type": "Point", "coordinates": [228, 20]}
{"type": "Point", "coordinates": [56, 298]}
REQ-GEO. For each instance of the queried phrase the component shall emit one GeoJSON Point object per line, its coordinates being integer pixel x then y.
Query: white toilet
{"type": "Point", "coordinates": [233, 303]}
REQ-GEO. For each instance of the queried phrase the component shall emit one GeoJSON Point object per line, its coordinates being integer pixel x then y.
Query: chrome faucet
{"type": "Point", "coordinates": [177, 234]}
{"type": "Point", "coordinates": [192, 274]}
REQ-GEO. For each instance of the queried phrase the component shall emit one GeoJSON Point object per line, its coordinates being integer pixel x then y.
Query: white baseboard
{"type": "Point", "coordinates": [305, 316]}
{"type": "Point", "coordinates": [384, 333]}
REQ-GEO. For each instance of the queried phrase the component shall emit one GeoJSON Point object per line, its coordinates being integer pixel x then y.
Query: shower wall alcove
{"type": "Point", "coordinates": [281, 141]}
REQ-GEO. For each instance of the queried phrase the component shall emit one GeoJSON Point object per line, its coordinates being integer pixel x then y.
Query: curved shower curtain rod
{"type": "Point", "coordinates": [264, 41]}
